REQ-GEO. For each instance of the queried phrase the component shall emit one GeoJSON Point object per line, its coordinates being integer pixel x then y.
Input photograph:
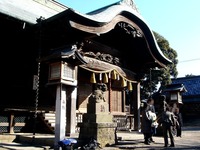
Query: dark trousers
{"type": "Point", "coordinates": [147, 137]}
{"type": "Point", "coordinates": [167, 129]}
{"type": "Point", "coordinates": [153, 132]}
{"type": "Point", "coordinates": [179, 131]}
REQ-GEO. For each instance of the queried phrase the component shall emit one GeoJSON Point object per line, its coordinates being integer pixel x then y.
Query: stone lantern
{"type": "Point", "coordinates": [63, 69]}
{"type": "Point", "coordinates": [62, 72]}
{"type": "Point", "coordinates": [174, 94]}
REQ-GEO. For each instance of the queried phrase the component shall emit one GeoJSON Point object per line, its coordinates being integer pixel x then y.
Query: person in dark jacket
{"type": "Point", "coordinates": [179, 122]}
{"type": "Point", "coordinates": [146, 125]}
{"type": "Point", "coordinates": [150, 107]}
{"type": "Point", "coordinates": [167, 125]}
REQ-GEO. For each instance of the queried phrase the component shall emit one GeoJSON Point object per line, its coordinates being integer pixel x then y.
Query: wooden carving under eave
{"type": "Point", "coordinates": [104, 57]}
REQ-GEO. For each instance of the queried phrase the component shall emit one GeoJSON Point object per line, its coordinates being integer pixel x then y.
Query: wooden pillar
{"type": "Point", "coordinates": [60, 114]}
{"type": "Point", "coordinates": [110, 95]}
{"type": "Point", "coordinates": [11, 122]}
{"type": "Point", "coordinates": [136, 105]}
{"type": "Point", "coordinates": [71, 112]}
{"type": "Point", "coordinates": [123, 100]}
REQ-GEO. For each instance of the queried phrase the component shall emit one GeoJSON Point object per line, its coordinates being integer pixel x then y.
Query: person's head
{"type": "Point", "coordinates": [143, 104]}
{"type": "Point", "coordinates": [177, 110]}
{"type": "Point", "coordinates": [150, 101]}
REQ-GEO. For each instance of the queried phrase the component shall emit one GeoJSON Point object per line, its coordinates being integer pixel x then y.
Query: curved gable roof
{"type": "Point", "coordinates": [118, 26]}
{"type": "Point", "coordinates": [101, 18]}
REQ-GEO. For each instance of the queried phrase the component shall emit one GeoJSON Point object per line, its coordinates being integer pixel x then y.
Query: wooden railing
{"type": "Point", "coordinates": [124, 122]}
{"type": "Point", "coordinates": [10, 123]}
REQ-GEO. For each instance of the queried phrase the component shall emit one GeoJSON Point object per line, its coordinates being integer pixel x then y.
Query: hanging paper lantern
{"type": "Point", "coordinates": [105, 78]}
{"type": "Point", "coordinates": [93, 79]}
{"type": "Point", "coordinates": [113, 75]}
{"type": "Point", "coordinates": [130, 88]}
{"type": "Point", "coordinates": [123, 83]}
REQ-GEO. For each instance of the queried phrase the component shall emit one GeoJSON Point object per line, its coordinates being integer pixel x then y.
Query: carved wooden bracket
{"type": "Point", "coordinates": [104, 57]}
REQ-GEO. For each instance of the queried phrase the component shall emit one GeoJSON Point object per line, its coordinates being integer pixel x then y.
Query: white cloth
{"type": "Point", "coordinates": [152, 116]}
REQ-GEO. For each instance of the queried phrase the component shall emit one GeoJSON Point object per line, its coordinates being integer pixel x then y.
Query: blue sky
{"type": "Point", "coordinates": [178, 21]}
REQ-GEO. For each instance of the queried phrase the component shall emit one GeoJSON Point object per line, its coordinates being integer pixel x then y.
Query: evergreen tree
{"type": "Point", "coordinates": [151, 80]}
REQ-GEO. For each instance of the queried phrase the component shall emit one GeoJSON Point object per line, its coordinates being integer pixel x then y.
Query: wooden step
{"type": "Point", "coordinates": [49, 115]}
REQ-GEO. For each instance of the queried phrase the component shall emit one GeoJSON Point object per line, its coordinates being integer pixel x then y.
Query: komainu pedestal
{"type": "Point", "coordinates": [98, 122]}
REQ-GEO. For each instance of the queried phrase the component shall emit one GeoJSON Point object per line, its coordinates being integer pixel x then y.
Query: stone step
{"type": "Point", "coordinates": [52, 124]}
{"type": "Point", "coordinates": [7, 138]}
{"type": "Point", "coordinates": [50, 120]}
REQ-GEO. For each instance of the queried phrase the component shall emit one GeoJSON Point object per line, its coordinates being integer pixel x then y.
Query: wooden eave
{"type": "Point", "coordinates": [30, 10]}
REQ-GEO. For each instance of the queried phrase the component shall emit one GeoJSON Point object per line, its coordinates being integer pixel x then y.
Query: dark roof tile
{"type": "Point", "coordinates": [192, 84]}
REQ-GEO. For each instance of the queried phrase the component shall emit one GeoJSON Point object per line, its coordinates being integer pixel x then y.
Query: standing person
{"type": "Point", "coordinates": [146, 125]}
{"type": "Point", "coordinates": [179, 121]}
{"type": "Point", "coordinates": [150, 107]}
{"type": "Point", "coordinates": [167, 125]}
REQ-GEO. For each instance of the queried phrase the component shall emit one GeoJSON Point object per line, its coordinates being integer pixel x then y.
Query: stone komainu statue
{"type": "Point", "coordinates": [98, 93]}
{"type": "Point", "coordinates": [101, 86]}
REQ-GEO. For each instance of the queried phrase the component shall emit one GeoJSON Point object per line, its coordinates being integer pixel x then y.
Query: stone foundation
{"type": "Point", "coordinates": [98, 124]}
{"type": "Point", "coordinates": [104, 133]}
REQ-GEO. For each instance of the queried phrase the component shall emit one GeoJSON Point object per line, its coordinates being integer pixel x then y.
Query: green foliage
{"type": "Point", "coordinates": [164, 75]}
{"type": "Point", "coordinates": [170, 53]}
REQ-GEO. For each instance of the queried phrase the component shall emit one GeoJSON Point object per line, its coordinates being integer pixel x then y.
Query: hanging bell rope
{"type": "Point", "coordinates": [93, 79]}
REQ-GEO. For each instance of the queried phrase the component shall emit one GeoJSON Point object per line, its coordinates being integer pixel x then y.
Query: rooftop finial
{"type": "Point", "coordinates": [129, 3]}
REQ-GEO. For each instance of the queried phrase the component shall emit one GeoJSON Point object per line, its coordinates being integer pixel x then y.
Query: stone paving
{"type": "Point", "coordinates": [190, 140]}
